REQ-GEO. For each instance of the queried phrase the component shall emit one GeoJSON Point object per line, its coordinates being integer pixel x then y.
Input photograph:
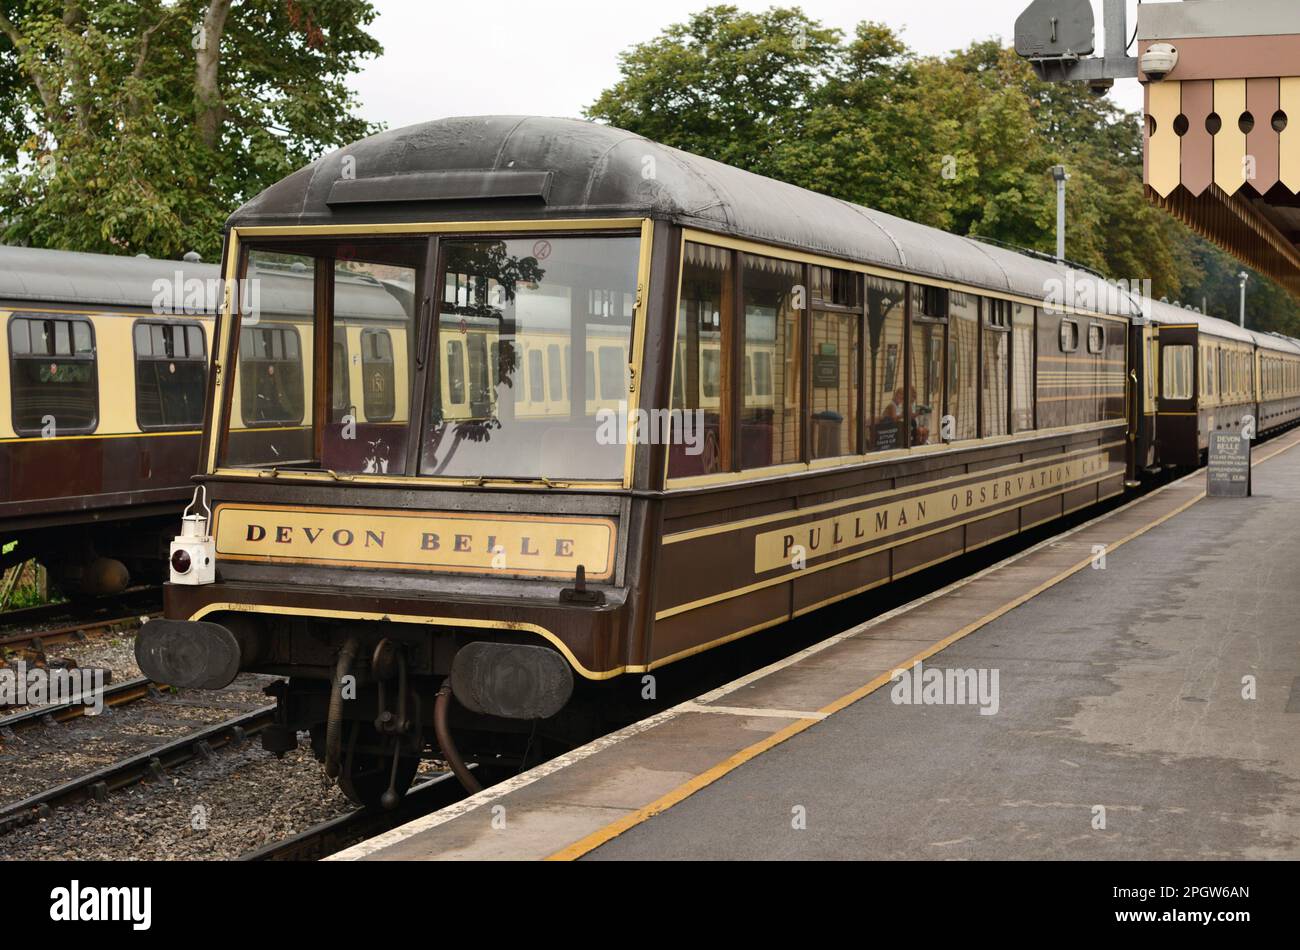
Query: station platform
{"type": "Point", "coordinates": [1144, 706]}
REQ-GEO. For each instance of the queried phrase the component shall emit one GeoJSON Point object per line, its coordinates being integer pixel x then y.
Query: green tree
{"type": "Point", "coordinates": [138, 125]}
{"type": "Point", "coordinates": [962, 142]}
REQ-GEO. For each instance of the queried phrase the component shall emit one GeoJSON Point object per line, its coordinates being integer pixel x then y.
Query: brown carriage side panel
{"type": "Point", "coordinates": [915, 555]}
{"type": "Point", "coordinates": [844, 580]}
{"type": "Point", "coordinates": [720, 620]}
{"type": "Point", "coordinates": [992, 529]}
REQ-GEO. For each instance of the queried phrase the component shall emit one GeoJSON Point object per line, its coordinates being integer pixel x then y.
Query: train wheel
{"type": "Point", "coordinates": [366, 773]}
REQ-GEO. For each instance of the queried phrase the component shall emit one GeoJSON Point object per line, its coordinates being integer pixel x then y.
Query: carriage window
{"type": "Point", "coordinates": [836, 355]}
{"type": "Point", "coordinates": [1096, 338]}
{"type": "Point", "coordinates": [1022, 368]}
{"type": "Point", "coordinates": [171, 374]}
{"type": "Point", "coordinates": [1069, 336]}
{"type": "Point", "coordinates": [378, 380]}
{"type": "Point", "coordinates": [769, 421]}
{"type": "Point", "coordinates": [704, 327]}
{"type": "Point", "coordinates": [55, 378]}
{"type": "Point", "coordinates": [886, 303]}
{"type": "Point", "coordinates": [533, 296]}
{"type": "Point", "coordinates": [1176, 376]}
{"type": "Point", "coordinates": [994, 374]}
{"type": "Point", "coordinates": [963, 365]}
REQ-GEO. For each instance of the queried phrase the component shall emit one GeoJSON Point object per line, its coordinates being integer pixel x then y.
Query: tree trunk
{"type": "Point", "coordinates": [207, 80]}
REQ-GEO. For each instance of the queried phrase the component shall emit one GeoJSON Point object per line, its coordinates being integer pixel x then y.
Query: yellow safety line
{"type": "Point", "coordinates": [602, 835]}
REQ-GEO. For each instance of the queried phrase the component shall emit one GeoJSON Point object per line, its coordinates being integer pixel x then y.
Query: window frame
{"type": "Point", "coordinates": [135, 362]}
{"type": "Point", "coordinates": [1060, 335]}
{"type": "Point", "coordinates": [1101, 347]}
{"type": "Point", "coordinates": [70, 317]}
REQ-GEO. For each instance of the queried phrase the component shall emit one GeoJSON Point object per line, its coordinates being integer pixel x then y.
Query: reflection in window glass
{"type": "Point", "coordinates": [835, 362]}
{"type": "Point", "coordinates": [704, 321]}
{"type": "Point", "coordinates": [270, 415]}
{"type": "Point", "coordinates": [375, 286]}
{"type": "Point", "coordinates": [886, 402]}
{"type": "Point", "coordinates": [769, 418]}
{"type": "Point", "coordinates": [379, 384]}
{"type": "Point", "coordinates": [340, 381]}
{"type": "Point", "coordinates": [927, 381]}
{"type": "Point", "coordinates": [271, 372]}
{"type": "Point", "coordinates": [613, 373]}
{"type": "Point", "coordinates": [997, 352]}
{"type": "Point", "coordinates": [526, 295]}
{"type": "Point", "coordinates": [1022, 376]}
{"type": "Point", "coordinates": [963, 364]}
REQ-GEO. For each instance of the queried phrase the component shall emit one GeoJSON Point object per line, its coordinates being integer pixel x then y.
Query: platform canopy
{"type": "Point", "coordinates": [1222, 149]}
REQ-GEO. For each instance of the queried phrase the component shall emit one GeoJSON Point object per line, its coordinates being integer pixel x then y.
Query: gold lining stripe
{"type": "Point", "coordinates": [814, 569]}
{"type": "Point", "coordinates": [693, 533]}
{"type": "Point", "coordinates": [751, 475]}
{"type": "Point", "coordinates": [107, 435]}
{"type": "Point", "coordinates": [424, 621]}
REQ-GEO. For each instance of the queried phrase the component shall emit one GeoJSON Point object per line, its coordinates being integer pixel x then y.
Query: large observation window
{"type": "Point", "coordinates": [554, 318]}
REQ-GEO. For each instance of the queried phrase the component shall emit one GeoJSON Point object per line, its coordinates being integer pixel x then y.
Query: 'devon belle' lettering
{"type": "Point", "coordinates": [425, 540]}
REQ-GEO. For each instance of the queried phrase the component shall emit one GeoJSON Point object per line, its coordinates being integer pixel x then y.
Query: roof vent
{"type": "Point", "coordinates": [192, 257]}
{"type": "Point", "coordinates": [465, 185]}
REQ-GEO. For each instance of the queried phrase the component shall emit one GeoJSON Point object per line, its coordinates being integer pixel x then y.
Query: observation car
{"type": "Point", "coordinates": [635, 404]}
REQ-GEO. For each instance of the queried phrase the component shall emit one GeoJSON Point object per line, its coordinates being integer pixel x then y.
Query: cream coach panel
{"type": "Point", "coordinates": [115, 367]}
{"type": "Point", "coordinates": [6, 382]}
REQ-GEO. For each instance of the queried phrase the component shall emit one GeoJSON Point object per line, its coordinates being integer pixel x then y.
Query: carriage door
{"type": "Point", "coordinates": [1177, 422]}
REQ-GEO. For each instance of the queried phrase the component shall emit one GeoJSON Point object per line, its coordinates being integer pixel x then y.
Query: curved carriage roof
{"type": "Point", "coordinates": [71, 277]}
{"type": "Point", "coordinates": [524, 167]}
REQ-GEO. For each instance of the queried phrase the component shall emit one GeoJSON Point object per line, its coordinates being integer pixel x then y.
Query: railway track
{"type": "Point", "coordinates": [326, 838]}
{"type": "Point", "coordinates": [132, 602]}
{"type": "Point", "coordinates": [37, 641]}
{"type": "Point", "coordinates": [151, 763]}
{"type": "Point", "coordinates": [119, 694]}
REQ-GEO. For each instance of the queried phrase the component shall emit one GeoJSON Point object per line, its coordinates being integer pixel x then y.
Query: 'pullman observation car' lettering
{"type": "Point", "coordinates": [437, 463]}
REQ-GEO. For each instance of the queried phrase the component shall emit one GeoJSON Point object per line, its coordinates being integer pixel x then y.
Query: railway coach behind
{"type": "Point", "coordinates": [634, 404]}
{"type": "Point", "coordinates": [103, 373]}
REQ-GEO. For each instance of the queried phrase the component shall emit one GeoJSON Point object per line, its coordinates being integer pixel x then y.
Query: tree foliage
{"type": "Point", "coordinates": [133, 126]}
{"type": "Point", "coordinates": [962, 142]}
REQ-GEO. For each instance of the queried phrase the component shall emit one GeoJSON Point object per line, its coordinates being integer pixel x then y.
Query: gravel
{"type": "Point", "coordinates": [220, 808]}
{"type": "Point", "coordinates": [231, 804]}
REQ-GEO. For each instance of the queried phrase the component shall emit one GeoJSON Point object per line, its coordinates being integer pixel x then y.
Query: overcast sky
{"type": "Point", "coordinates": [524, 57]}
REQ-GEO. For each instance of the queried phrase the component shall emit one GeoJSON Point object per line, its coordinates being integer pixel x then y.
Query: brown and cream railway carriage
{"type": "Point", "coordinates": [103, 375]}
{"type": "Point", "coordinates": [642, 404]}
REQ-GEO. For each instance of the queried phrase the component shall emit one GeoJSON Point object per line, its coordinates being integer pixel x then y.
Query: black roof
{"type": "Point", "coordinates": [522, 167]}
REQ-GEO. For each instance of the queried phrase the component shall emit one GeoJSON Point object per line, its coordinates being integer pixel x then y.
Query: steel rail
{"type": "Point", "coordinates": [152, 762]}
